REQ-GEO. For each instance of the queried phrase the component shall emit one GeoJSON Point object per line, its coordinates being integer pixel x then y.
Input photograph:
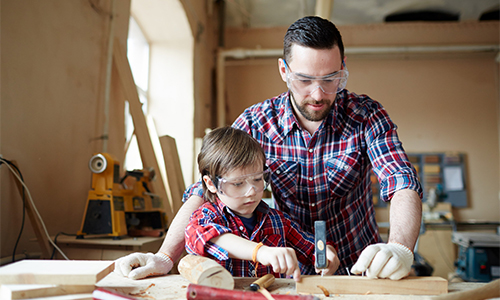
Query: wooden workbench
{"type": "Point", "coordinates": [174, 287]}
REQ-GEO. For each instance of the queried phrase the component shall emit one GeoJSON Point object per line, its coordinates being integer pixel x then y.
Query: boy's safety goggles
{"type": "Point", "coordinates": [305, 84]}
{"type": "Point", "coordinates": [240, 186]}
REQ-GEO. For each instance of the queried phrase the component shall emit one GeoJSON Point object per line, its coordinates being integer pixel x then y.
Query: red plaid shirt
{"type": "Point", "coordinates": [273, 228]}
{"type": "Point", "coordinates": [326, 176]}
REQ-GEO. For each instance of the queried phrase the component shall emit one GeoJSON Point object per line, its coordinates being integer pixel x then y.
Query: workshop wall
{"type": "Point", "coordinates": [441, 102]}
{"type": "Point", "coordinates": [54, 56]}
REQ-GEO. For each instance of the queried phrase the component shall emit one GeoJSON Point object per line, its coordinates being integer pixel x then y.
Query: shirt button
{"type": "Point", "coordinates": [310, 150]}
{"type": "Point", "coordinates": [278, 172]}
{"type": "Point", "coordinates": [311, 179]}
{"type": "Point", "coordinates": [313, 205]}
{"type": "Point", "coordinates": [241, 228]}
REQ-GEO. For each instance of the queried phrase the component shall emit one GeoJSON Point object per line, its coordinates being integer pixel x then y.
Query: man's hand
{"type": "Point", "coordinates": [142, 265]}
{"type": "Point", "coordinates": [282, 259]}
{"type": "Point", "coordinates": [333, 261]}
{"type": "Point", "coordinates": [391, 260]}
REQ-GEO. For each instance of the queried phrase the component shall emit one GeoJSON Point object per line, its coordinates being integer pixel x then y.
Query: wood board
{"type": "Point", "coordinates": [35, 222]}
{"type": "Point", "coordinates": [425, 285]}
{"type": "Point", "coordinates": [141, 130]}
{"type": "Point", "coordinates": [28, 291]}
{"type": "Point", "coordinates": [69, 272]}
{"type": "Point", "coordinates": [174, 172]}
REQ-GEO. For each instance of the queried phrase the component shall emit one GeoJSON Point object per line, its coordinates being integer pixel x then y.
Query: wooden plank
{"type": "Point", "coordinates": [425, 285]}
{"type": "Point", "coordinates": [173, 170]}
{"type": "Point", "coordinates": [69, 272]}
{"type": "Point", "coordinates": [27, 291]}
{"type": "Point", "coordinates": [41, 237]}
{"type": "Point", "coordinates": [140, 126]}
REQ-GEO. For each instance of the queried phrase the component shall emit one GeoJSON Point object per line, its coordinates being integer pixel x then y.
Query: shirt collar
{"type": "Point", "coordinates": [261, 210]}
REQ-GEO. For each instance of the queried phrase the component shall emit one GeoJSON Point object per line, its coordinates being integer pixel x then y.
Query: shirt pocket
{"type": "Point", "coordinates": [283, 177]}
{"type": "Point", "coordinates": [273, 240]}
{"type": "Point", "coordinates": [343, 172]}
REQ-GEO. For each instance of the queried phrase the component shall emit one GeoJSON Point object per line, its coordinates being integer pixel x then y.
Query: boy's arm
{"type": "Point", "coordinates": [282, 259]}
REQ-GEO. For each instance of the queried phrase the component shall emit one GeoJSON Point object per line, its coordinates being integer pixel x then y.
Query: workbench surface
{"type": "Point", "coordinates": [175, 286]}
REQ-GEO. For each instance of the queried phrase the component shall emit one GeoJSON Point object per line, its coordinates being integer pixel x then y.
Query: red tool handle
{"type": "Point", "coordinates": [200, 292]}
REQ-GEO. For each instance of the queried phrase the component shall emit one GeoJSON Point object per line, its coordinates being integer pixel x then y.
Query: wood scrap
{"type": "Point", "coordinates": [205, 271]}
{"type": "Point", "coordinates": [425, 285]}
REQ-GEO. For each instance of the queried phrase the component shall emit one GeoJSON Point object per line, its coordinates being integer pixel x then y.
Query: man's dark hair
{"type": "Point", "coordinates": [313, 32]}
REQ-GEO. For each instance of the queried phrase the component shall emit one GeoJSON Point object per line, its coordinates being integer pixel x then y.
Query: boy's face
{"type": "Point", "coordinates": [241, 193]}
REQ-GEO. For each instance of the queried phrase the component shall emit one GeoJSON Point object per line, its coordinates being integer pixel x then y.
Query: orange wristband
{"type": "Point", "coordinates": [254, 255]}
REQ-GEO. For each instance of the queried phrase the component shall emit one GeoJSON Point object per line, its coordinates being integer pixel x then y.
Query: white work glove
{"type": "Point", "coordinates": [391, 260]}
{"type": "Point", "coordinates": [142, 265]}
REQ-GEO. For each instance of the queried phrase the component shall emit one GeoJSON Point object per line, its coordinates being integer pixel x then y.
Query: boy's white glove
{"type": "Point", "coordinates": [391, 260]}
{"type": "Point", "coordinates": [142, 265]}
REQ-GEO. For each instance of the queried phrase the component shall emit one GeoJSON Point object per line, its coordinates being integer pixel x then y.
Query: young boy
{"type": "Point", "coordinates": [235, 227]}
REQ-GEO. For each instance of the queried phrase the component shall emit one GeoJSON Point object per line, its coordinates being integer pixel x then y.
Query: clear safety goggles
{"type": "Point", "coordinates": [240, 186]}
{"type": "Point", "coordinates": [305, 84]}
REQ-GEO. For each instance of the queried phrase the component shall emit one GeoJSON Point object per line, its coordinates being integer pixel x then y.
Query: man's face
{"type": "Point", "coordinates": [312, 62]}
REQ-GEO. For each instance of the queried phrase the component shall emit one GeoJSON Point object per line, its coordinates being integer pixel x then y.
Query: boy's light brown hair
{"type": "Point", "coordinates": [225, 149]}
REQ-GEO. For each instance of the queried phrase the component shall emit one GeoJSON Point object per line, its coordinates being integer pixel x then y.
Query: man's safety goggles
{"type": "Point", "coordinates": [240, 186]}
{"type": "Point", "coordinates": [305, 84]}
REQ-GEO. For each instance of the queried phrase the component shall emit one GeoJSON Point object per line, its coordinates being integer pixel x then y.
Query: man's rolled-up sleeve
{"type": "Point", "coordinates": [203, 227]}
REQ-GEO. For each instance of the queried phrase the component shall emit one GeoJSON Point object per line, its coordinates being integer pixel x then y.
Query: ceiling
{"type": "Point", "coordinates": [271, 13]}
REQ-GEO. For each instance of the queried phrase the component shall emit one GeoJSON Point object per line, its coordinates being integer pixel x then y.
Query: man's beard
{"type": "Point", "coordinates": [311, 115]}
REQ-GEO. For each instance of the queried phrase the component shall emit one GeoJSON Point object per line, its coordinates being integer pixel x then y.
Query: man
{"type": "Point", "coordinates": [321, 141]}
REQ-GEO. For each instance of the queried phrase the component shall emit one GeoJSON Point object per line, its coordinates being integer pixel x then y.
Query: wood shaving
{"type": "Point", "coordinates": [324, 290]}
{"type": "Point", "coordinates": [367, 293]}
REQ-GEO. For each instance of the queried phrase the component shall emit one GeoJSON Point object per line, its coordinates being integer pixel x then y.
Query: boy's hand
{"type": "Point", "coordinates": [333, 261]}
{"type": "Point", "coordinates": [282, 259]}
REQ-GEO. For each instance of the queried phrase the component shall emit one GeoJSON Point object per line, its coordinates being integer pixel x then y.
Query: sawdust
{"type": "Point", "coordinates": [144, 293]}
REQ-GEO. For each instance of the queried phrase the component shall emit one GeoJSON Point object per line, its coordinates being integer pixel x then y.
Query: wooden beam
{"type": "Point", "coordinates": [425, 285]}
{"type": "Point", "coordinates": [324, 8]}
{"type": "Point", "coordinates": [146, 150]}
{"type": "Point", "coordinates": [220, 91]}
{"type": "Point", "coordinates": [173, 169]}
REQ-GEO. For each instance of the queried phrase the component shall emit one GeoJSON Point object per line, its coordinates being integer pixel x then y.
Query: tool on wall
{"type": "Point", "coordinates": [114, 210]}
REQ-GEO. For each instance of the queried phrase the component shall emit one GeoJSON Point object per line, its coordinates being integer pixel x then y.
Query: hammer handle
{"type": "Point", "coordinates": [199, 292]}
